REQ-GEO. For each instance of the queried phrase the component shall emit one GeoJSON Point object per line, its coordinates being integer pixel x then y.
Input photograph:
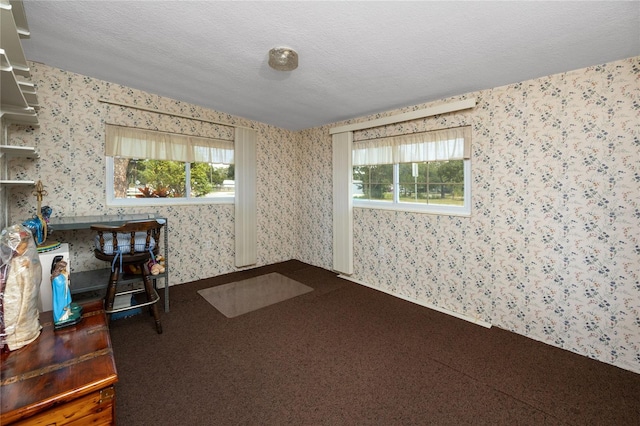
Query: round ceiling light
{"type": "Point", "coordinates": [283, 59]}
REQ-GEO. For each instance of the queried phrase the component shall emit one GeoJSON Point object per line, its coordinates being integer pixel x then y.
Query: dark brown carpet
{"type": "Point", "coordinates": [345, 354]}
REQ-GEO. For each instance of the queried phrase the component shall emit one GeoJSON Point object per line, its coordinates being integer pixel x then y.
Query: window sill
{"type": "Point", "coordinates": [143, 202]}
{"type": "Point", "coordinates": [409, 208]}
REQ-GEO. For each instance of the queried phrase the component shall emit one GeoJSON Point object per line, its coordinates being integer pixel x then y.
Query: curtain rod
{"type": "Point", "coordinates": [171, 114]}
{"type": "Point", "coordinates": [412, 133]}
{"type": "Point", "coordinates": [407, 116]}
{"type": "Point", "coordinates": [168, 133]}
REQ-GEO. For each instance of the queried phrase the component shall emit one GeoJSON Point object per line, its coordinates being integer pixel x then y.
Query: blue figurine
{"type": "Point", "coordinates": [38, 223]}
{"type": "Point", "coordinates": [65, 313]}
{"type": "Point", "coordinates": [36, 226]}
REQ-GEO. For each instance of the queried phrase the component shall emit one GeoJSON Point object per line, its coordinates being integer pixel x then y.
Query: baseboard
{"type": "Point", "coordinates": [422, 303]}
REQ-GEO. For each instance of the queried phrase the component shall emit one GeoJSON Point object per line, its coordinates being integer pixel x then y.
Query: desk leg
{"type": "Point", "coordinates": [166, 265]}
{"type": "Point", "coordinates": [166, 294]}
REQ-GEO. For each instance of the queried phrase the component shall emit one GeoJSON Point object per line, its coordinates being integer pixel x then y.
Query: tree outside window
{"type": "Point", "coordinates": [434, 182]}
{"type": "Point", "coordinates": [134, 178]}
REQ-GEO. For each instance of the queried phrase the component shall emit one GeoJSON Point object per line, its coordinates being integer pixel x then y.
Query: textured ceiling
{"type": "Point", "coordinates": [356, 58]}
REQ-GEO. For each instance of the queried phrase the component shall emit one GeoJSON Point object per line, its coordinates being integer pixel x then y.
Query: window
{"type": "Point", "coordinates": [147, 167]}
{"type": "Point", "coordinates": [423, 172]}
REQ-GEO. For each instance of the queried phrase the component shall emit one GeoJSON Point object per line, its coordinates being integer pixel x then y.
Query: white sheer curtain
{"type": "Point", "coordinates": [342, 203]}
{"type": "Point", "coordinates": [130, 142]}
{"type": "Point", "coordinates": [246, 223]}
{"type": "Point", "coordinates": [437, 145]}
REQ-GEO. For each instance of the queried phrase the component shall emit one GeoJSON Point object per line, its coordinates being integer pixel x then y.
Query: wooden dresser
{"type": "Point", "coordinates": [65, 377]}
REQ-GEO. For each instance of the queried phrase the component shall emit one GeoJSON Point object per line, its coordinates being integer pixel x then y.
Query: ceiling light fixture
{"type": "Point", "coordinates": [283, 59]}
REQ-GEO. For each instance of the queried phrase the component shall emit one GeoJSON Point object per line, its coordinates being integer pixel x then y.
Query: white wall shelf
{"type": "Point", "coordinates": [11, 40]}
{"type": "Point", "coordinates": [18, 99]}
{"type": "Point", "coordinates": [17, 182]}
{"type": "Point", "coordinates": [19, 151]}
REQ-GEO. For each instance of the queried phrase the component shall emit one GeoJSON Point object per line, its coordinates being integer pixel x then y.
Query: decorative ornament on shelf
{"type": "Point", "coordinates": [38, 224]}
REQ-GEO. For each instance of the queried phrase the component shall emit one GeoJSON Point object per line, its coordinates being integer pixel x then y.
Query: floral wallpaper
{"type": "Point", "coordinates": [552, 247]}
{"type": "Point", "coordinates": [70, 140]}
{"type": "Point", "coordinates": [551, 250]}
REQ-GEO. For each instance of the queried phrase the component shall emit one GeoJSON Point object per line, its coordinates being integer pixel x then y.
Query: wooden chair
{"type": "Point", "coordinates": [133, 243]}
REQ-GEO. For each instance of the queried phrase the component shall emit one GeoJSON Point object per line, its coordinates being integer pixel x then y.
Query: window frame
{"type": "Point", "coordinates": [437, 209]}
{"type": "Point", "coordinates": [452, 143]}
{"type": "Point", "coordinates": [169, 201]}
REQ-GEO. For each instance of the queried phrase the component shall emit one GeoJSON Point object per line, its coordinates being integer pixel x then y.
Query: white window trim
{"type": "Point", "coordinates": [422, 208]}
{"type": "Point", "coordinates": [112, 201]}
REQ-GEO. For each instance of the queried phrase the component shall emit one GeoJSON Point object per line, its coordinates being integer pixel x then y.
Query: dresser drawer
{"type": "Point", "coordinates": [97, 409]}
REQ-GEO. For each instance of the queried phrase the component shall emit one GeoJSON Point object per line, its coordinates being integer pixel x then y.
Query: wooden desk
{"type": "Point", "coordinates": [64, 377]}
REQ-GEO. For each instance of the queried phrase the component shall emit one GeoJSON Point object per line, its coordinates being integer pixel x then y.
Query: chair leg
{"type": "Point", "coordinates": [111, 292]}
{"type": "Point", "coordinates": [148, 287]}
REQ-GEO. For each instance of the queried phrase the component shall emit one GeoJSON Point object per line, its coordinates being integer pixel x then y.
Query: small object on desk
{"type": "Point", "coordinates": [49, 246]}
{"type": "Point", "coordinates": [65, 312]}
{"type": "Point", "coordinates": [155, 267]}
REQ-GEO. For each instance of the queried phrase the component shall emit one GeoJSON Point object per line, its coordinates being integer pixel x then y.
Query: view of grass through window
{"type": "Point", "coordinates": [436, 182]}
{"type": "Point", "coordinates": [168, 179]}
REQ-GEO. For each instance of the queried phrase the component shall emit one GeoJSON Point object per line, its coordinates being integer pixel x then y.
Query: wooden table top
{"type": "Point", "coordinates": [59, 366]}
